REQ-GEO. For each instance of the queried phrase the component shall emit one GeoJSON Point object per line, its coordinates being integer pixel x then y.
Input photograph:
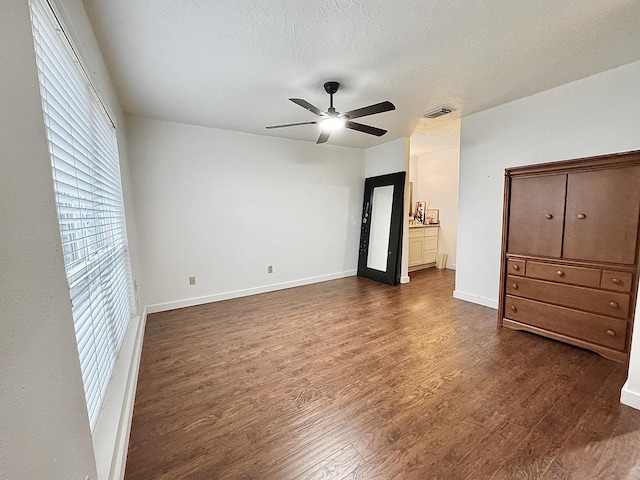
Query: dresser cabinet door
{"type": "Point", "coordinates": [537, 215]}
{"type": "Point", "coordinates": [416, 251]}
{"type": "Point", "coordinates": [601, 222]}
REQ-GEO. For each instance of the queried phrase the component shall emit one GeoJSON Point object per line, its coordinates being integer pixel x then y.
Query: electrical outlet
{"type": "Point", "coordinates": [270, 269]}
{"type": "Point", "coordinates": [192, 280]}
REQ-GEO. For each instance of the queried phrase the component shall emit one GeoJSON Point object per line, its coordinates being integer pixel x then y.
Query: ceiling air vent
{"type": "Point", "coordinates": [436, 112]}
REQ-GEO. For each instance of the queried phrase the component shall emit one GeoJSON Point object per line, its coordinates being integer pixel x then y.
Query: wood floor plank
{"type": "Point", "coordinates": [534, 455]}
{"type": "Point", "coordinates": [585, 447]}
{"type": "Point", "coordinates": [461, 421]}
{"type": "Point", "coordinates": [351, 379]}
{"type": "Point", "coordinates": [621, 457]}
{"type": "Point", "coordinates": [338, 466]}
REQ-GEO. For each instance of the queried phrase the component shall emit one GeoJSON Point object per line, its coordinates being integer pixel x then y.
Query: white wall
{"type": "Point", "coordinates": [435, 180]}
{"type": "Point", "coordinates": [592, 116]}
{"type": "Point", "coordinates": [392, 157]}
{"type": "Point", "coordinates": [222, 206]}
{"type": "Point", "coordinates": [44, 429]}
{"type": "Point", "coordinates": [631, 390]}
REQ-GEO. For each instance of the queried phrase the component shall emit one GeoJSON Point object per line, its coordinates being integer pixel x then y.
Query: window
{"type": "Point", "coordinates": [86, 178]}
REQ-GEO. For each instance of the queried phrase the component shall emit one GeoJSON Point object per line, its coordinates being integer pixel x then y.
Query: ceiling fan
{"type": "Point", "coordinates": [333, 120]}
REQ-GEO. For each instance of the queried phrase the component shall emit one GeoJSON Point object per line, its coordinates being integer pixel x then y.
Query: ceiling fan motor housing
{"type": "Point", "coordinates": [331, 87]}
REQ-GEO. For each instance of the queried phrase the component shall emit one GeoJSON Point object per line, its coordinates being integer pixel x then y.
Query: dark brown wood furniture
{"type": "Point", "coordinates": [570, 251]}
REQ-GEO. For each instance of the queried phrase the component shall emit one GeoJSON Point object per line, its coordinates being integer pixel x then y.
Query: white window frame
{"type": "Point", "coordinates": [86, 175]}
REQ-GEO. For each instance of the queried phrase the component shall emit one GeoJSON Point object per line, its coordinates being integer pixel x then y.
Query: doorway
{"type": "Point", "coordinates": [434, 177]}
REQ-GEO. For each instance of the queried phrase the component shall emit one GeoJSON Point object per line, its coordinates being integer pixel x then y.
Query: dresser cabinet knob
{"type": "Point", "coordinates": [560, 273]}
{"type": "Point", "coordinates": [611, 333]}
{"type": "Point", "coordinates": [616, 281]}
{"type": "Point", "coordinates": [548, 216]}
{"type": "Point", "coordinates": [515, 286]}
{"type": "Point", "coordinates": [613, 304]}
{"type": "Point", "coordinates": [516, 268]}
{"type": "Point", "coordinates": [513, 308]}
{"type": "Point", "coordinates": [582, 216]}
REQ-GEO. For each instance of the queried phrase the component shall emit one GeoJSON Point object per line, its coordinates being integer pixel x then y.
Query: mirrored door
{"type": "Point", "coordinates": [381, 228]}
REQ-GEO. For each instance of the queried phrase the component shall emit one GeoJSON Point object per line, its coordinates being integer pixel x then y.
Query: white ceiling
{"type": "Point", "coordinates": [430, 136]}
{"type": "Point", "coordinates": [234, 64]}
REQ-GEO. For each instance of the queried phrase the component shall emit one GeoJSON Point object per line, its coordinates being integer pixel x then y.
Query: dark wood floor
{"type": "Point", "coordinates": [352, 379]}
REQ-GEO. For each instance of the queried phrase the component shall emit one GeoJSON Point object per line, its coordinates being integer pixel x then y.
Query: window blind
{"type": "Point", "coordinates": [86, 178]}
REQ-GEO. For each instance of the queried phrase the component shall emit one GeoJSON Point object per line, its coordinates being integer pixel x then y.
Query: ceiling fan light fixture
{"type": "Point", "coordinates": [332, 123]}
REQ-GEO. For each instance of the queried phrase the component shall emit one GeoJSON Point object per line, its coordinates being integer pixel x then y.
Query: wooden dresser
{"type": "Point", "coordinates": [570, 251]}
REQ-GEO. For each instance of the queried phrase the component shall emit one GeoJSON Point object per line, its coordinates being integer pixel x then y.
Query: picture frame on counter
{"type": "Point", "coordinates": [432, 216]}
{"type": "Point", "coordinates": [421, 210]}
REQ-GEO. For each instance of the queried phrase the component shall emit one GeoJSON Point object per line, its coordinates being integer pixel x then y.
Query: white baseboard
{"type": "Point", "coordinates": [451, 266]}
{"type": "Point", "coordinates": [190, 302]}
{"type": "Point", "coordinates": [487, 302]}
{"type": "Point", "coordinates": [111, 434]}
{"type": "Point", "coordinates": [629, 397]}
{"type": "Point", "coordinates": [405, 279]}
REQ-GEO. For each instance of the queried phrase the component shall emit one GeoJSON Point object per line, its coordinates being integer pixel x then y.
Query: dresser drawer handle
{"type": "Point", "coordinates": [560, 273]}
{"type": "Point", "coordinates": [515, 286]}
{"type": "Point", "coordinates": [613, 304]}
{"type": "Point", "coordinates": [548, 216]}
{"type": "Point", "coordinates": [616, 281]}
{"type": "Point", "coordinates": [611, 333]}
{"type": "Point", "coordinates": [513, 308]}
{"type": "Point", "coordinates": [516, 268]}
{"type": "Point", "coordinates": [582, 216]}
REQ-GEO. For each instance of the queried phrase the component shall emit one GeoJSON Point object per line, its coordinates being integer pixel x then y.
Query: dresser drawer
{"type": "Point", "coordinates": [431, 232]}
{"type": "Point", "coordinates": [606, 331]}
{"type": "Point", "coordinates": [618, 281]}
{"type": "Point", "coordinates": [416, 232]}
{"type": "Point", "coordinates": [588, 277]}
{"type": "Point", "coordinates": [598, 301]}
{"type": "Point", "coordinates": [515, 267]}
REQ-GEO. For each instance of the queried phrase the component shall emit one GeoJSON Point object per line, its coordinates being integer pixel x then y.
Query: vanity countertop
{"type": "Point", "coordinates": [420, 225]}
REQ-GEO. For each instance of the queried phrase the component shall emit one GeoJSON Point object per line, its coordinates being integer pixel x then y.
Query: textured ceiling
{"type": "Point", "coordinates": [430, 136]}
{"type": "Point", "coordinates": [234, 64]}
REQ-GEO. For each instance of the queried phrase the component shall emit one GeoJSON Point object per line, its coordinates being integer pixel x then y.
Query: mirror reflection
{"type": "Point", "coordinates": [380, 226]}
